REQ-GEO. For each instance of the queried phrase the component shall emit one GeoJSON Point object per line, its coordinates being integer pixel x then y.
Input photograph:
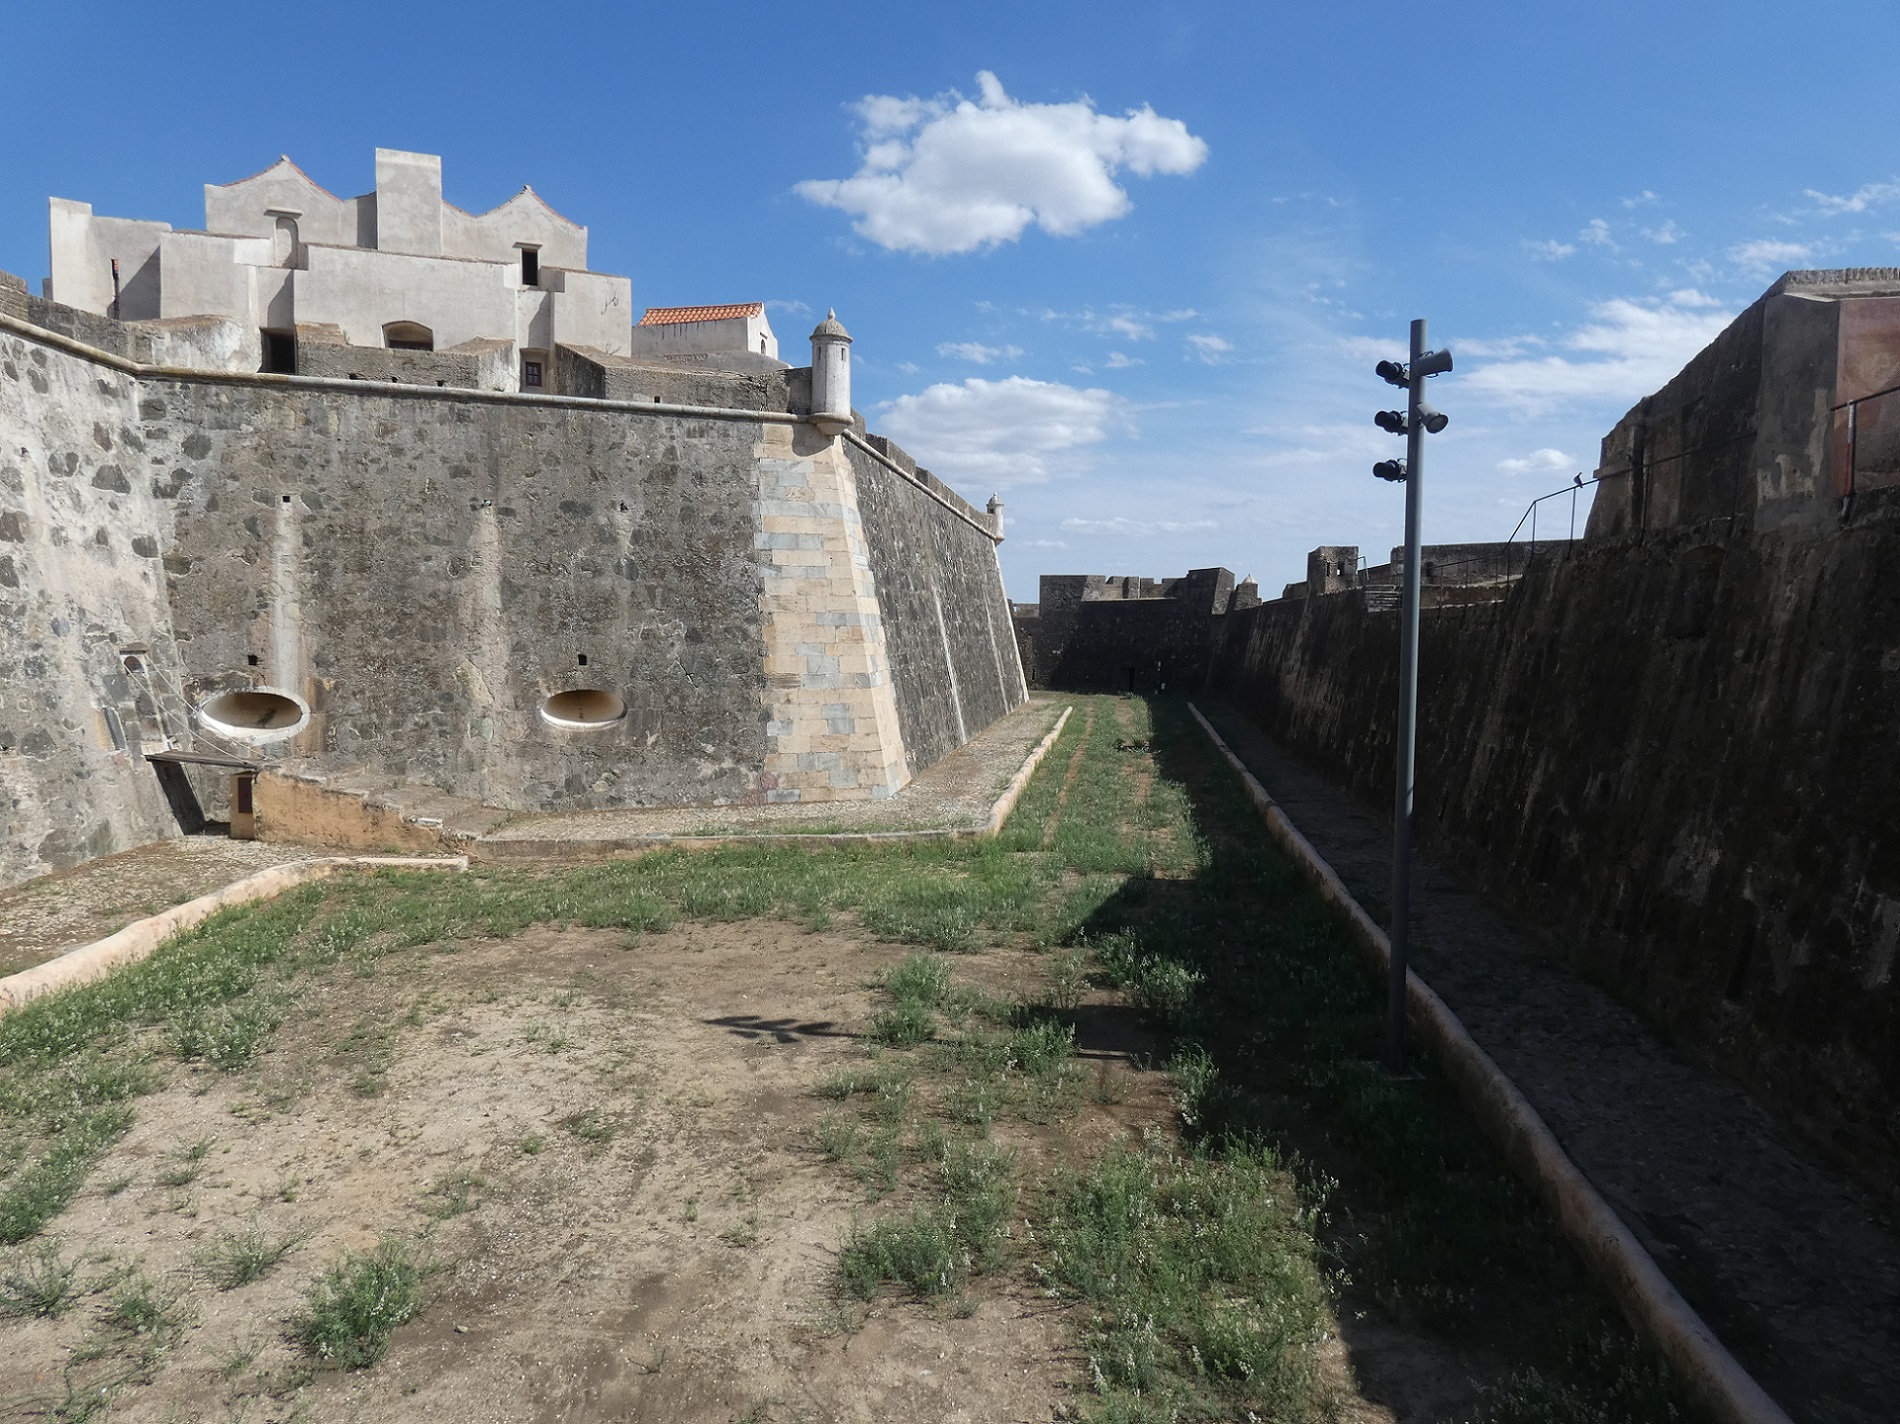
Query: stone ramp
{"type": "Point", "coordinates": [357, 808]}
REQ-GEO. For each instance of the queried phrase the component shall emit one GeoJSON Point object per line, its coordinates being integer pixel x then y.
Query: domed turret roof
{"type": "Point", "coordinates": [831, 327]}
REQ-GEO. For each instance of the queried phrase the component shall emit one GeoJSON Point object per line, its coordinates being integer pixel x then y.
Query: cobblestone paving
{"type": "Point", "coordinates": [46, 917]}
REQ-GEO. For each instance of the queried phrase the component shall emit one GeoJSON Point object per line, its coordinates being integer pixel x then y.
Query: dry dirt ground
{"type": "Point", "coordinates": [607, 1148]}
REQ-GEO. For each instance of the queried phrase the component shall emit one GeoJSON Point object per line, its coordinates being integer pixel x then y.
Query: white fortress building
{"type": "Point", "coordinates": [284, 269]}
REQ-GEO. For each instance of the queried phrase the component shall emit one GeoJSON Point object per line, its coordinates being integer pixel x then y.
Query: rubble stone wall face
{"type": "Point", "coordinates": [1678, 753]}
{"type": "Point", "coordinates": [422, 568]}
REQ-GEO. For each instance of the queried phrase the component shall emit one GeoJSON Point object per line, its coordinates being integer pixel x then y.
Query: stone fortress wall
{"type": "Point", "coordinates": [1675, 738]}
{"type": "Point", "coordinates": [413, 570]}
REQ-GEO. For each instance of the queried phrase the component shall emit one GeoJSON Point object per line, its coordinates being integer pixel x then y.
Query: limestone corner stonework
{"type": "Point", "coordinates": [831, 727]}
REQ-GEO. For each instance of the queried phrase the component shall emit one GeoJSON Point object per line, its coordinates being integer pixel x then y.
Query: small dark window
{"type": "Point", "coordinates": [280, 353]}
{"type": "Point", "coordinates": [530, 267]}
{"type": "Point", "coordinates": [251, 659]}
{"type": "Point", "coordinates": [580, 659]}
{"type": "Point", "coordinates": [531, 373]}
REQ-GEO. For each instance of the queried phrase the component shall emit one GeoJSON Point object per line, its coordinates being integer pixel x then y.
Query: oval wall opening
{"type": "Point", "coordinates": [254, 715]}
{"type": "Point", "coordinates": [583, 707]}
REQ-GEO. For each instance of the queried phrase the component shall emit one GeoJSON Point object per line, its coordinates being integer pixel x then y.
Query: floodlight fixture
{"type": "Point", "coordinates": [1415, 422]}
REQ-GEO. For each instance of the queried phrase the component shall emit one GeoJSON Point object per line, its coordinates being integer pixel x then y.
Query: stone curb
{"type": "Point", "coordinates": [1719, 1387]}
{"type": "Point", "coordinates": [625, 847]}
{"type": "Point", "coordinates": [137, 940]}
{"type": "Point", "coordinates": [1006, 803]}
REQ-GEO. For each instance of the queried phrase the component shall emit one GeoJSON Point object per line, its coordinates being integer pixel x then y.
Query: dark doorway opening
{"type": "Point", "coordinates": [280, 353]}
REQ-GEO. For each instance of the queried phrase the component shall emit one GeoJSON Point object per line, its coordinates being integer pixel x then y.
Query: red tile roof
{"type": "Point", "coordinates": [673, 316]}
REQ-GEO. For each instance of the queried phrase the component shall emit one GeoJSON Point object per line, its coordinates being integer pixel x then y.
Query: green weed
{"type": "Point", "coordinates": [39, 1281]}
{"type": "Point", "coordinates": [353, 1309]}
{"type": "Point", "coordinates": [140, 1307]}
{"type": "Point", "coordinates": [236, 1258]}
{"type": "Point", "coordinates": [1200, 1275]}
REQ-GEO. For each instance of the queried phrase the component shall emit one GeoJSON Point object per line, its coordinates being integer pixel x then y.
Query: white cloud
{"type": "Point", "coordinates": [1046, 544]}
{"type": "Point", "coordinates": [1640, 199]}
{"type": "Point", "coordinates": [977, 353]}
{"type": "Point", "coordinates": [1627, 350]}
{"type": "Point", "coordinates": [1596, 232]}
{"type": "Point", "coordinates": [1001, 432]}
{"type": "Point", "coordinates": [788, 308]}
{"type": "Point", "coordinates": [1870, 195]}
{"type": "Point", "coordinates": [950, 174]}
{"type": "Point", "coordinates": [1536, 462]}
{"type": "Point", "coordinates": [1209, 348]}
{"type": "Point", "coordinates": [1119, 362]}
{"type": "Point", "coordinates": [1500, 348]}
{"type": "Point", "coordinates": [1768, 258]}
{"type": "Point", "coordinates": [909, 368]}
{"type": "Point", "coordinates": [1134, 323]}
{"type": "Point", "coordinates": [1123, 527]}
{"type": "Point", "coordinates": [1668, 235]}
{"type": "Point", "coordinates": [1551, 250]}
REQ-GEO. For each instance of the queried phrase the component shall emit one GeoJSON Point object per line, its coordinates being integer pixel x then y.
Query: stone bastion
{"type": "Point", "coordinates": [672, 588]}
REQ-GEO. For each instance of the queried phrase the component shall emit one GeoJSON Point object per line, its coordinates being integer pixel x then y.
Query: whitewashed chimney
{"type": "Point", "coordinates": [831, 376]}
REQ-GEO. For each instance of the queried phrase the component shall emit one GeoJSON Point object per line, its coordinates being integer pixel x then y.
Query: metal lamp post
{"type": "Point", "coordinates": [1414, 423]}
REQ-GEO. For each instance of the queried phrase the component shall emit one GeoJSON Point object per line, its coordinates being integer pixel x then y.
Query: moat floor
{"type": "Point", "coordinates": [1789, 1262]}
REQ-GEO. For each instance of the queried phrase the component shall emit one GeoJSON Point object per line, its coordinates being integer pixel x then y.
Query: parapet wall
{"type": "Point", "coordinates": [421, 567]}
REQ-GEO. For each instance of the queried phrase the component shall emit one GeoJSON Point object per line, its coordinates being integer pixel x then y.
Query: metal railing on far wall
{"type": "Point", "coordinates": [1868, 427]}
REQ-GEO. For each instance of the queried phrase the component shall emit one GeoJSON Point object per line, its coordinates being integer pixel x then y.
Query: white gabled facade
{"type": "Point", "coordinates": [397, 266]}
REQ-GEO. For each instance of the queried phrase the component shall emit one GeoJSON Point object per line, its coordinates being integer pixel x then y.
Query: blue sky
{"type": "Point", "coordinates": [1127, 264]}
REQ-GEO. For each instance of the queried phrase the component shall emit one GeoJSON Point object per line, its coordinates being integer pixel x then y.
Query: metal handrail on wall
{"type": "Point", "coordinates": [1852, 407]}
{"type": "Point", "coordinates": [1530, 514]}
{"type": "Point", "coordinates": [1575, 488]}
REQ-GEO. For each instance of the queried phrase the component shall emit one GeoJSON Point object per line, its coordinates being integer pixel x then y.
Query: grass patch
{"type": "Point", "coordinates": [141, 1308]}
{"type": "Point", "coordinates": [593, 1128]}
{"type": "Point", "coordinates": [236, 1258]}
{"type": "Point", "coordinates": [937, 1248]}
{"type": "Point", "coordinates": [353, 1309]}
{"type": "Point", "coordinates": [1199, 1272]}
{"type": "Point", "coordinates": [39, 1281]}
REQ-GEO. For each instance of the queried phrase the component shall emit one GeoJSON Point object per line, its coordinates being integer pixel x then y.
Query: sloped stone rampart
{"type": "Point", "coordinates": [1677, 754]}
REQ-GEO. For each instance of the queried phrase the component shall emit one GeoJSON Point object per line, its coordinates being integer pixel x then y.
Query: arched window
{"type": "Point", "coordinates": [284, 242]}
{"type": "Point", "coordinates": [408, 336]}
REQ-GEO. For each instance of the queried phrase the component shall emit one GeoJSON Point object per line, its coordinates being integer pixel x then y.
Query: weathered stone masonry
{"type": "Point", "coordinates": [421, 568]}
